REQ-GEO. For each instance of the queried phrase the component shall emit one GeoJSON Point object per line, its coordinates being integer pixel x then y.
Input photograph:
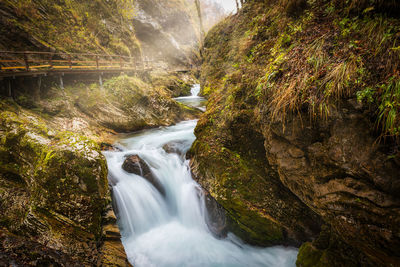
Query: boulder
{"type": "Point", "coordinates": [134, 164]}
{"type": "Point", "coordinates": [109, 147]}
{"type": "Point", "coordinates": [53, 192]}
{"type": "Point", "coordinates": [216, 218]}
{"type": "Point", "coordinates": [176, 147]}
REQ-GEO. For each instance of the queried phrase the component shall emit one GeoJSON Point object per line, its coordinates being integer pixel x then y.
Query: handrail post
{"type": "Point", "coordinates": [51, 61]}
{"type": "Point", "coordinates": [120, 62]}
{"type": "Point", "coordinates": [26, 62]}
{"type": "Point", "coordinates": [97, 62]}
{"type": "Point", "coordinates": [70, 61]}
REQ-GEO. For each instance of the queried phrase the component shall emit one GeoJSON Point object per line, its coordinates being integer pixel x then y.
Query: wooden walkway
{"type": "Point", "coordinates": [16, 64]}
{"type": "Point", "coordinates": [29, 64]}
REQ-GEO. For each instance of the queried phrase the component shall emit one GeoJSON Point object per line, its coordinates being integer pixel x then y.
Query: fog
{"type": "Point", "coordinates": [228, 5]}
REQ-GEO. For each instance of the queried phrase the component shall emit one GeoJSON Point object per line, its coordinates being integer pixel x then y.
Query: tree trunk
{"type": "Point", "coordinates": [202, 33]}
{"type": "Point", "coordinates": [237, 5]}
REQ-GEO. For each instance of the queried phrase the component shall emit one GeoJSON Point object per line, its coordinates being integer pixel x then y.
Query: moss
{"type": "Point", "coordinates": [83, 27]}
{"type": "Point", "coordinates": [310, 257]}
{"type": "Point", "coordinates": [177, 84]}
{"type": "Point", "coordinates": [238, 186]}
{"type": "Point", "coordinates": [63, 175]}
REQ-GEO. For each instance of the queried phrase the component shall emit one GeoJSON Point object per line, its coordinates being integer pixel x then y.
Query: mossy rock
{"type": "Point", "coordinates": [53, 185]}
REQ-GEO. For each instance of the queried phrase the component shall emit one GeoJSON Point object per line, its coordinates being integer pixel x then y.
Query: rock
{"type": "Point", "coordinates": [348, 181]}
{"type": "Point", "coordinates": [262, 210]}
{"type": "Point", "coordinates": [280, 167]}
{"type": "Point", "coordinates": [134, 164]}
{"type": "Point", "coordinates": [216, 218]}
{"type": "Point", "coordinates": [109, 147]}
{"type": "Point", "coordinates": [176, 147]}
{"type": "Point", "coordinates": [20, 251]}
{"type": "Point", "coordinates": [53, 191]}
{"type": "Point", "coordinates": [112, 250]}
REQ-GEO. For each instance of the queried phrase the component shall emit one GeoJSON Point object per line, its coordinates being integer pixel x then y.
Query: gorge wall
{"type": "Point", "coordinates": [299, 143]}
{"type": "Point", "coordinates": [55, 202]}
{"type": "Point", "coordinates": [165, 31]}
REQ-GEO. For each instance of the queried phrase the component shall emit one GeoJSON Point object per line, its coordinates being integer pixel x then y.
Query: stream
{"type": "Point", "coordinates": [170, 230]}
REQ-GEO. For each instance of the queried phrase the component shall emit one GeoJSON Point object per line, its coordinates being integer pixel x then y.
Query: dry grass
{"type": "Point", "coordinates": [337, 80]}
{"type": "Point", "coordinates": [313, 61]}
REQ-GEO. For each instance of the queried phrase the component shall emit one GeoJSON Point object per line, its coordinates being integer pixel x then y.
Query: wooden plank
{"type": "Point", "coordinates": [13, 68]}
{"type": "Point", "coordinates": [10, 61]}
{"type": "Point", "coordinates": [83, 61]}
{"type": "Point", "coordinates": [40, 66]}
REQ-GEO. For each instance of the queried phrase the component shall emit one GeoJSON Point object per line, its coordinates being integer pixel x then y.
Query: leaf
{"type": "Point", "coordinates": [368, 9]}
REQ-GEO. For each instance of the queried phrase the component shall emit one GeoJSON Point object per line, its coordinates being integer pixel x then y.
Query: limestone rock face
{"type": "Point", "coordinates": [285, 146]}
{"type": "Point", "coordinates": [339, 171]}
{"type": "Point", "coordinates": [53, 192]}
{"type": "Point", "coordinates": [233, 169]}
{"type": "Point", "coordinates": [112, 250]}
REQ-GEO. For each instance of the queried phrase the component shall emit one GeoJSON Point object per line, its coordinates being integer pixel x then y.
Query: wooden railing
{"type": "Point", "coordinates": [28, 61]}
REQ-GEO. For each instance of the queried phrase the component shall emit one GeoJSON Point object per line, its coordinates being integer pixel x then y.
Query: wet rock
{"type": "Point", "coordinates": [176, 147]}
{"type": "Point", "coordinates": [216, 218]}
{"type": "Point", "coordinates": [134, 164]}
{"type": "Point", "coordinates": [112, 250]}
{"type": "Point", "coordinates": [353, 186]}
{"type": "Point", "coordinates": [109, 147]}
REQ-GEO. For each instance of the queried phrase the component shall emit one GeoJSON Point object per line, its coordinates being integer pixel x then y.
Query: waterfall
{"type": "Point", "coordinates": [195, 90]}
{"type": "Point", "coordinates": [170, 229]}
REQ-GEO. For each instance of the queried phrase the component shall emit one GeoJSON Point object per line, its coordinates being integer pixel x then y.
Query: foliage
{"type": "Point", "coordinates": [386, 97]}
{"type": "Point", "coordinates": [308, 60]}
{"type": "Point", "coordinates": [77, 26]}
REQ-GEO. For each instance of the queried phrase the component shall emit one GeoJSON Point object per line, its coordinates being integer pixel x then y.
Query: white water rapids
{"type": "Point", "coordinates": [171, 230]}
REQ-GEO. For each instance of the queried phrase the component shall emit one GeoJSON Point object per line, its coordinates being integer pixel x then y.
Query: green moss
{"type": "Point", "coordinates": [310, 257]}
{"type": "Point", "coordinates": [238, 185]}
{"type": "Point", "coordinates": [178, 84]}
{"type": "Point", "coordinates": [83, 27]}
{"type": "Point", "coordinates": [59, 174]}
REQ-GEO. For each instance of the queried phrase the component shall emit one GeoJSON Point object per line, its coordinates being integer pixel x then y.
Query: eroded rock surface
{"type": "Point", "coordinates": [339, 170]}
{"type": "Point", "coordinates": [285, 146]}
{"type": "Point", "coordinates": [53, 192]}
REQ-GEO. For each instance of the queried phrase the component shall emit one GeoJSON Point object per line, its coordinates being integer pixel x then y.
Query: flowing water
{"type": "Point", "coordinates": [170, 230]}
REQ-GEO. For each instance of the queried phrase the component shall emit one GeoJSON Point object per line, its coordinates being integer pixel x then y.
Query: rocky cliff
{"type": "Point", "coordinates": [53, 191]}
{"type": "Point", "coordinates": [55, 202]}
{"type": "Point", "coordinates": [300, 138]}
{"type": "Point", "coordinates": [166, 30]}
{"type": "Point", "coordinates": [145, 29]}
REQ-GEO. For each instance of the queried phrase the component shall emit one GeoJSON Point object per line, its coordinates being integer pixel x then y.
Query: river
{"type": "Point", "coordinates": [170, 230]}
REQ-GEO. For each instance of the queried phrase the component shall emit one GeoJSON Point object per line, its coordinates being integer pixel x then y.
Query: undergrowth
{"type": "Point", "coordinates": [77, 26]}
{"type": "Point", "coordinates": [308, 56]}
